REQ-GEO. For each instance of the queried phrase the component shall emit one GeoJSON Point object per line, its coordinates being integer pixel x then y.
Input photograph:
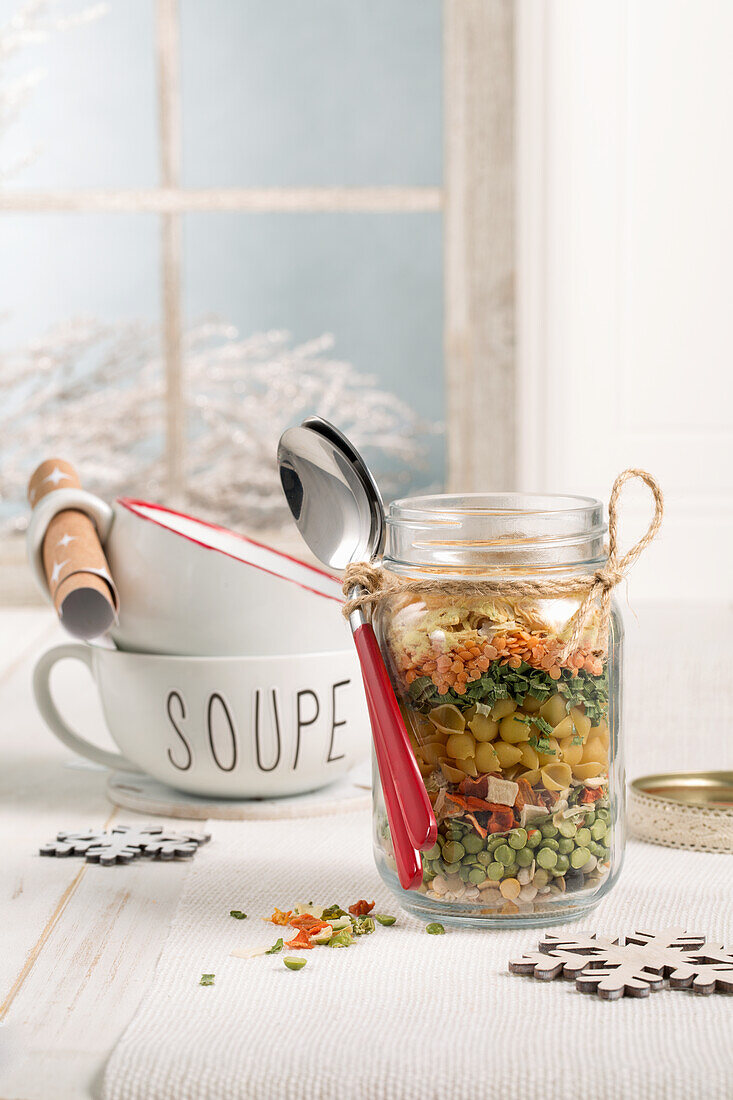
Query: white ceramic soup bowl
{"type": "Point", "coordinates": [223, 727]}
{"type": "Point", "coordinates": [188, 587]}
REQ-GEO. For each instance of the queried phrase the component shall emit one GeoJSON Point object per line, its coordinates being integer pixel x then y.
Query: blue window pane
{"type": "Point", "coordinates": [57, 266]}
{"type": "Point", "coordinates": [373, 281]}
{"type": "Point", "coordinates": [339, 92]}
{"type": "Point", "coordinates": [91, 120]}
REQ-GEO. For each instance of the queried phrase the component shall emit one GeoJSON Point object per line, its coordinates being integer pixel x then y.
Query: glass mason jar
{"type": "Point", "coordinates": [517, 740]}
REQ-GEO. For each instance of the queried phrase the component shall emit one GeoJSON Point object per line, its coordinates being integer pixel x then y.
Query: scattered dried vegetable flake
{"type": "Point", "coordinates": [361, 908]}
{"type": "Point", "coordinates": [250, 953]}
{"type": "Point", "coordinates": [237, 914]}
{"type": "Point", "coordinates": [362, 926]}
{"type": "Point", "coordinates": [279, 917]}
{"type": "Point", "coordinates": [301, 942]}
{"type": "Point", "coordinates": [332, 912]}
{"type": "Point", "coordinates": [206, 979]}
{"type": "Point", "coordinates": [307, 923]}
{"type": "Point", "coordinates": [323, 935]}
{"type": "Point", "coordinates": [341, 939]}
{"type": "Point", "coordinates": [312, 931]}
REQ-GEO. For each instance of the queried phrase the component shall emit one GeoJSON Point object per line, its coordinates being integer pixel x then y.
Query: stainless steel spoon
{"type": "Point", "coordinates": [339, 512]}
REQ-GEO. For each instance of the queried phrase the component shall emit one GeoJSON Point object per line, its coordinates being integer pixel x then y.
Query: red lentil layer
{"type": "Point", "coordinates": [456, 668]}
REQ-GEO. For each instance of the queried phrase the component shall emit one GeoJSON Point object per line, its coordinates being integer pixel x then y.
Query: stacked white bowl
{"type": "Point", "coordinates": [232, 673]}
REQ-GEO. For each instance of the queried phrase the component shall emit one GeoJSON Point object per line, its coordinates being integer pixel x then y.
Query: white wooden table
{"type": "Point", "coordinates": [79, 943]}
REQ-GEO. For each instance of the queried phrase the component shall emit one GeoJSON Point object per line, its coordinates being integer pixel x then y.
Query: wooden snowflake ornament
{"type": "Point", "coordinates": [125, 843]}
{"type": "Point", "coordinates": [114, 848]}
{"type": "Point", "coordinates": [710, 971]}
{"type": "Point", "coordinates": [634, 968]}
{"type": "Point", "coordinates": [547, 965]}
{"type": "Point", "coordinates": [72, 844]}
{"type": "Point", "coordinates": [622, 977]}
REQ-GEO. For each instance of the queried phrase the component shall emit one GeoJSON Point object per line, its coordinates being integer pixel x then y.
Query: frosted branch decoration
{"type": "Point", "coordinates": [95, 393]}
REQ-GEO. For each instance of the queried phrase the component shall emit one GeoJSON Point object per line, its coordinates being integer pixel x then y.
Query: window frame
{"type": "Point", "coordinates": [476, 201]}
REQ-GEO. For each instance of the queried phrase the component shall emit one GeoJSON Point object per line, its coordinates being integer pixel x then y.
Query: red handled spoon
{"type": "Point", "coordinates": [339, 512]}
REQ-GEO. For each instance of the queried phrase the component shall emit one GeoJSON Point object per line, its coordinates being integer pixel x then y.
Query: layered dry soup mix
{"type": "Point", "coordinates": [512, 740]}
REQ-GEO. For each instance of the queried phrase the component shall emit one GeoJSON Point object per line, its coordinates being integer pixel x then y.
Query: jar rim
{"type": "Point", "coordinates": [451, 533]}
{"type": "Point", "coordinates": [447, 505]}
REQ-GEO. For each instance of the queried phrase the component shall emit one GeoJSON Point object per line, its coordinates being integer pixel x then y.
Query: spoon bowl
{"type": "Point", "coordinates": [376, 505]}
{"type": "Point", "coordinates": [314, 469]}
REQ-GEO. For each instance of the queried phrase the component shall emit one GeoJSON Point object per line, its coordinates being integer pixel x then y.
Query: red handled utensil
{"type": "Point", "coordinates": [391, 739]}
{"type": "Point", "coordinates": [409, 867]}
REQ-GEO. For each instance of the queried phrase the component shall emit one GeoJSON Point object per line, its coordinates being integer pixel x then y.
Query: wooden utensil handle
{"type": "Point", "coordinates": [74, 563]}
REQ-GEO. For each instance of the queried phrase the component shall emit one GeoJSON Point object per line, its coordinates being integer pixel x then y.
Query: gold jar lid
{"type": "Point", "coordinates": [692, 810]}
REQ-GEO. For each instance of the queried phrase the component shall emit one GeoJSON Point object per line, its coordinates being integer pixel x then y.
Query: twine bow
{"type": "Point", "coordinates": [375, 583]}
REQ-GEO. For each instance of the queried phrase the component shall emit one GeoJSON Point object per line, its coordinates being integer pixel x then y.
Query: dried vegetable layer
{"type": "Point", "coordinates": [512, 740]}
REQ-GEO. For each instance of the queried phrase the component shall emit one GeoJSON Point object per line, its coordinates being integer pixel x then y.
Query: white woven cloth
{"type": "Point", "coordinates": [402, 1014]}
{"type": "Point", "coordinates": [406, 1016]}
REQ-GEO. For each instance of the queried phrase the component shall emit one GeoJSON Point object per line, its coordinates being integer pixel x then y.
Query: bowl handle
{"type": "Point", "coordinates": [52, 717]}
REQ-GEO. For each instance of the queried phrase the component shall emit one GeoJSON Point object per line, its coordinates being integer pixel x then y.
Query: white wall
{"type": "Point", "coordinates": [625, 167]}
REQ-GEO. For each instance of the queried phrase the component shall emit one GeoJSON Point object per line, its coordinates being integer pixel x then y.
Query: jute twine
{"type": "Point", "coordinates": [376, 583]}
